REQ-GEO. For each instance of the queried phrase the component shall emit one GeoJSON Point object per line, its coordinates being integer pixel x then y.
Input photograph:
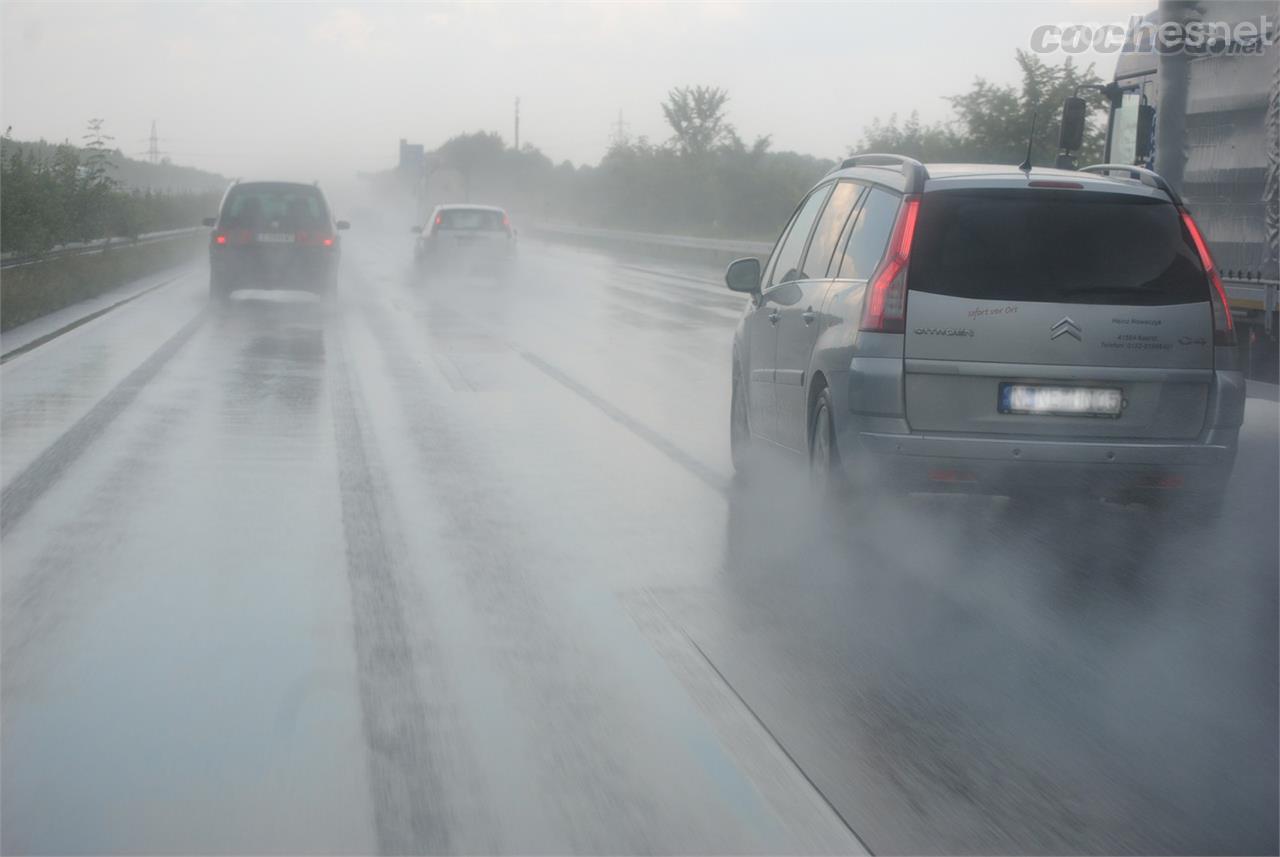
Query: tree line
{"type": "Point", "coordinates": [63, 193]}
{"type": "Point", "coordinates": [705, 179]}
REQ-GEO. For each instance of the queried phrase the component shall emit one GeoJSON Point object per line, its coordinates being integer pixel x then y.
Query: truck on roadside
{"type": "Point", "coordinates": [1207, 118]}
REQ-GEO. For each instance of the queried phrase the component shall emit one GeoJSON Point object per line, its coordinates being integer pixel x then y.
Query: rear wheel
{"type": "Point", "coordinates": [826, 473]}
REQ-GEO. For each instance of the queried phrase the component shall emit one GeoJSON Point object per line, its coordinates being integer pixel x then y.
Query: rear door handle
{"type": "Point", "coordinates": [774, 316]}
{"type": "Point", "coordinates": [808, 315]}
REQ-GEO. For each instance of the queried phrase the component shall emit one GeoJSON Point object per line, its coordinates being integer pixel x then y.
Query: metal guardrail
{"type": "Point", "coordinates": [656, 239]}
{"type": "Point", "coordinates": [10, 260]}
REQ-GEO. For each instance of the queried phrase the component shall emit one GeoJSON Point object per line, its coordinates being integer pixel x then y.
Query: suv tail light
{"type": "Point", "coordinates": [317, 239]}
{"type": "Point", "coordinates": [885, 308]}
{"type": "Point", "coordinates": [1224, 327]}
{"type": "Point", "coordinates": [220, 238]}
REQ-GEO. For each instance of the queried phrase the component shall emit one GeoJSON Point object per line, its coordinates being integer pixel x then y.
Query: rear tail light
{"type": "Point", "coordinates": [885, 308]}
{"type": "Point", "coordinates": [317, 239]}
{"type": "Point", "coordinates": [220, 239]}
{"type": "Point", "coordinates": [1224, 327]}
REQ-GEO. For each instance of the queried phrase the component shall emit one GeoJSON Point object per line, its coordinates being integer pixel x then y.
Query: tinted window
{"type": "Point", "coordinates": [287, 207]}
{"type": "Point", "coordinates": [786, 266]}
{"type": "Point", "coordinates": [869, 236]}
{"type": "Point", "coordinates": [1054, 246]}
{"type": "Point", "coordinates": [827, 233]}
{"type": "Point", "coordinates": [469, 218]}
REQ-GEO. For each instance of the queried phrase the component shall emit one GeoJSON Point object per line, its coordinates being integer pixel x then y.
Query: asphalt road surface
{"type": "Point", "coordinates": [460, 566]}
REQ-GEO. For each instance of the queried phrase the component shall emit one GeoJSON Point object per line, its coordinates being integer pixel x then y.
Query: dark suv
{"type": "Point", "coordinates": [991, 329]}
{"type": "Point", "coordinates": [273, 235]}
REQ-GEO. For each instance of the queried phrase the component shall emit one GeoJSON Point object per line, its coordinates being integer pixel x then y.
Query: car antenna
{"type": "Point", "coordinates": [1025, 166]}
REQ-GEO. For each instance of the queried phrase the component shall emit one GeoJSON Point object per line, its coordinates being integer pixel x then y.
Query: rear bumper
{"type": "Point", "coordinates": [877, 442]}
{"type": "Point", "coordinates": [485, 248]}
{"type": "Point", "coordinates": [1216, 451]}
{"type": "Point", "coordinates": [973, 464]}
{"type": "Point", "coordinates": [307, 270]}
{"type": "Point", "coordinates": [979, 464]}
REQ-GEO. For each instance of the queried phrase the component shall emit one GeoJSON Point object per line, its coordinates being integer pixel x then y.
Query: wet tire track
{"type": "Point", "coordinates": [25, 490]}
{"type": "Point", "coordinates": [403, 776]}
{"type": "Point", "coordinates": [520, 628]}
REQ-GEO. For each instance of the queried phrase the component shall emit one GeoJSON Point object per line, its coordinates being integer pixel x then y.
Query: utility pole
{"type": "Point", "coordinates": [517, 123]}
{"type": "Point", "coordinates": [153, 150]}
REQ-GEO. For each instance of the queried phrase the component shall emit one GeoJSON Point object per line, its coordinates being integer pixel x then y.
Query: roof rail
{"type": "Point", "coordinates": [1148, 177]}
{"type": "Point", "coordinates": [912, 170]}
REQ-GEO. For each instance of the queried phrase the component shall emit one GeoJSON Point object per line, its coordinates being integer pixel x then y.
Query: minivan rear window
{"type": "Point", "coordinates": [470, 218]}
{"type": "Point", "coordinates": [1054, 246]}
{"type": "Point", "coordinates": [274, 206]}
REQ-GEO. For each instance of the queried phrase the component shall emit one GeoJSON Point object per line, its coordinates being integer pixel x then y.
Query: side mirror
{"type": "Point", "coordinates": [1071, 134]}
{"type": "Point", "coordinates": [743, 275]}
{"type": "Point", "coordinates": [342, 224]}
{"type": "Point", "coordinates": [209, 221]}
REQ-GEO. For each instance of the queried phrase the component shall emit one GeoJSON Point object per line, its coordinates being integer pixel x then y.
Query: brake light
{"type": "Point", "coordinates": [1056, 184]}
{"type": "Point", "coordinates": [1224, 327]}
{"type": "Point", "coordinates": [439, 219]}
{"type": "Point", "coordinates": [506, 220]}
{"type": "Point", "coordinates": [220, 239]}
{"type": "Point", "coordinates": [328, 242]}
{"type": "Point", "coordinates": [885, 308]}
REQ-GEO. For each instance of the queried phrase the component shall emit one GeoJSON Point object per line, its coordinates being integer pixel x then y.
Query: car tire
{"type": "Point", "coordinates": [826, 472]}
{"type": "Point", "coordinates": [741, 447]}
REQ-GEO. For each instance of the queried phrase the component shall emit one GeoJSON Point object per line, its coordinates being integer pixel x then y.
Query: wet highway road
{"type": "Point", "coordinates": [460, 566]}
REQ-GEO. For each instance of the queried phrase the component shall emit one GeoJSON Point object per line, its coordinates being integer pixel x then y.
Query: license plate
{"type": "Point", "coordinates": [1061, 401]}
{"type": "Point", "coordinates": [275, 237]}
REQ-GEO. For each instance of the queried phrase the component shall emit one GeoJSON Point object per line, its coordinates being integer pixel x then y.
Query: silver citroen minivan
{"type": "Point", "coordinates": [990, 329]}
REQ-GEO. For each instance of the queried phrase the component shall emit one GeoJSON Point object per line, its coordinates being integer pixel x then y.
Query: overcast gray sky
{"type": "Point", "coordinates": [323, 89]}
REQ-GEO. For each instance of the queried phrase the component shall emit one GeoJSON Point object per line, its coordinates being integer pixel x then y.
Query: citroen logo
{"type": "Point", "coordinates": [1065, 327]}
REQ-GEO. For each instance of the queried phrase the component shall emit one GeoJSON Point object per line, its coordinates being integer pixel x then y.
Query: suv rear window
{"type": "Point", "coordinates": [469, 218]}
{"type": "Point", "coordinates": [1054, 246]}
{"type": "Point", "coordinates": [288, 207]}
